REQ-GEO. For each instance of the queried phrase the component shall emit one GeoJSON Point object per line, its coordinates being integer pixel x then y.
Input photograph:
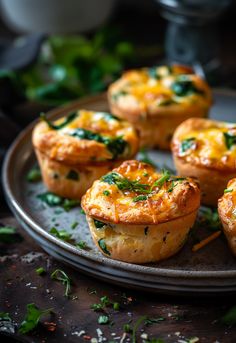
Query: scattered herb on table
{"type": "Point", "coordinates": [5, 316]}
{"type": "Point", "coordinates": [127, 328]}
{"type": "Point", "coordinates": [102, 320]}
{"type": "Point", "coordinates": [8, 234]}
{"type": "Point", "coordinates": [61, 276]}
{"type": "Point", "coordinates": [34, 175]}
{"type": "Point", "coordinates": [116, 306]}
{"type": "Point", "coordinates": [230, 317]}
{"type": "Point", "coordinates": [32, 318]}
{"type": "Point", "coordinates": [210, 218]}
{"type": "Point", "coordinates": [135, 328]}
{"type": "Point", "coordinates": [151, 321]}
{"type": "Point", "coordinates": [40, 271]}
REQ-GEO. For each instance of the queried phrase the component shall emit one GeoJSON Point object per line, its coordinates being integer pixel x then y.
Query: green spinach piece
{"type": "Point", "coordinates": [71, 116]}
{"type": "Point", "coordinates": [98, 224]}
{"type": "Point", "coordinates": [230, 140]}
{"type": "Point", "coordinates": [102, 245]}
{"type": "Point", "coordinates": [125, 184]}
{"type": "Point", "coordinates": [183, 86]}
{"type": "Point", "coordinates": [186, 144]}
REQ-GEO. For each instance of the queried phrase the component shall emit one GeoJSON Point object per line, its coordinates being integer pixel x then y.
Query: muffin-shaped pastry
{"type": "Point", "coordinates": [80, 148]}
{"type": "Point", "coordinates": [137, 215]}
{"type": "Point", "coordinates": [206, 149]}
{"type": "Point", "coordinates": [227, 213]}
{"type": "Point", "coordinates": [157, 100]}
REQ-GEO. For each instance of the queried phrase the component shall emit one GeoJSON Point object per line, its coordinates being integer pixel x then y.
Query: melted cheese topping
{"type": "Point", "coordinates": [143, 88]}
{"type": "Point", "coordinates": [157, 203]}
{"type": "Point", "coordinates": [209, 146]}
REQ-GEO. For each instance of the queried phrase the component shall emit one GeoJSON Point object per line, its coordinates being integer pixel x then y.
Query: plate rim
{"type": "Point", "coordinates": [17, 208]}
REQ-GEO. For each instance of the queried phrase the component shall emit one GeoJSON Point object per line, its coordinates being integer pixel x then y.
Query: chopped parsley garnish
{"type": "Point", "coordinates": [34, 175]}
{"type": "Point", "coordinates": [73, 175]}
{"type": "Point", "coordinates": [116, 306]}
{"type": "Point", "coordinates": [161, 181]}
{"type": "Point", "coordinates": [105, 301]}
{"type": "Point", "coordinates": [210, 218]}
{"type": "Point", "coordinates": [8, 234]}
{"type": "Point", "coordinates": [230, 140]}
{"type": "Point", "coordinates": [106, 193]}
{"type": "Point", "coordinates": [102, 245]}
{"type": "Point", "coordinates": [61, 234]}
{"type": "Point", "coordinates": [230, 317]}
{"type": "Point", "coordinates": [140, 198]}
{"type": "Point", "coordinates": [40, 271]}
{"type": "Point", "coordinates": [82, 245]}
{"type": "Point", "coordinates": [118, 94]}
{"type": "Point", "coordinates": [50, 199]}
{"type": "Point", "coordinates": [102, 320]}
{"type": "Point", "coordinates": [32, 318]}
{"type": "Point", "coordinates": [145, 158]}
{"type": "Point", "coordinates": [188, 143]}
{"type": "Point", "coordinates": [74, 225]}
{"type": "Point", "coordinates": [61, 276]}
{"type": "Point", "coordinates": [71, 116]}
{"type": "Point", "coordinates": [115, 145]}
{"type": "Point", "coordinates": [55, 200]}
{"type": "Point", "coordinates": [98, 224]}
{"type": "Point", "coordinates": [228, 190]}
{"type": "Point", "coordinates": [183, 86]}
{"type": "Point", "coordinates": [125, 184]}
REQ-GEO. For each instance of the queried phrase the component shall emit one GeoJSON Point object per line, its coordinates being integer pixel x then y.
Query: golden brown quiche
{"type": "Point", "coordinates": [138, 215]}
{"type": "Point", "coordinates": [156, 100]}
{"type": "Point", "coordinates": [227, 213]}
{"type": "Point", "coordinates": [78, 149]}
{"type": "Point", "coordinates": [206, 149]}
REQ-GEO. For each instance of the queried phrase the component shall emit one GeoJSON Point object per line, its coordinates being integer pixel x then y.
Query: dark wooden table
{"type": "Point", "coordinates": [73, 320]}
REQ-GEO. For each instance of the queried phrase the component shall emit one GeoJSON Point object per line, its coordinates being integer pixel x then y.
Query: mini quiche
{"type": "Point", "coordinates": [137, 215]}
{"type": "Point", "coordinates": [206, 149]}
{"type": "Point", "coordinates": [80, 148]}
{"type": "Point", "coordinates": [156, 100]}
{"type": "Point", "coordinates": [227, 213]}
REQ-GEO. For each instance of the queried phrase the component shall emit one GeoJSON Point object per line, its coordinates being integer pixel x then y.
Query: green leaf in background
{"type": "Point", "coordinates": [8, 234]}
{"type": "Point", "coordinates": [69, 67]}
{"type": "Point", "coordinates": [32, 318]}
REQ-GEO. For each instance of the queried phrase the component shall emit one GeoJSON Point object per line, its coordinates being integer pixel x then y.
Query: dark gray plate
{"type": "Point", "coordinates": [209, 271]}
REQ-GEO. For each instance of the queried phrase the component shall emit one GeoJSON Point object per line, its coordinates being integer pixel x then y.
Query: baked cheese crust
{"type": "Point", "coordinates": [135, 206]}
{"type": "Point", "coordinates": [227, 213]}
{"type": "Point", "coordinates": [206, 149]}
{"type": "Point", "coordinates": [156, 100]}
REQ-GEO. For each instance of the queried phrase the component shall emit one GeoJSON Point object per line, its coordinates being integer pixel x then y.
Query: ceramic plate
{"type": "Point", "coordinates": [210, 271]}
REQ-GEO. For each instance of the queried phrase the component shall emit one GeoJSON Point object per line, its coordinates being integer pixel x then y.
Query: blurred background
{"type": "Point", "coordinates": [55, 51]}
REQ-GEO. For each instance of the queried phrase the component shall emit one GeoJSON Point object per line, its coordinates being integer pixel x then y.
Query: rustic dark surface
{"type": "Point", "coordinates": [20, 285]}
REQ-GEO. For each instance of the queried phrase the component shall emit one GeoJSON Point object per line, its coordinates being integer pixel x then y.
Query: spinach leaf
{"type": "Point", "coordinates": [230, 140]}
{"type": "Point", "coordinates": [183, 86]}
{"type": "Point", "coordinates": [71, 116]}
{"type": "Point", "coordinates": [115, 145]}
{"type": "Point", "coordinates": [186, 144]}
{"type": "Point", "coordinates": [98, 224]}
{"type": "Point", "coordinates": [102, 245]}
